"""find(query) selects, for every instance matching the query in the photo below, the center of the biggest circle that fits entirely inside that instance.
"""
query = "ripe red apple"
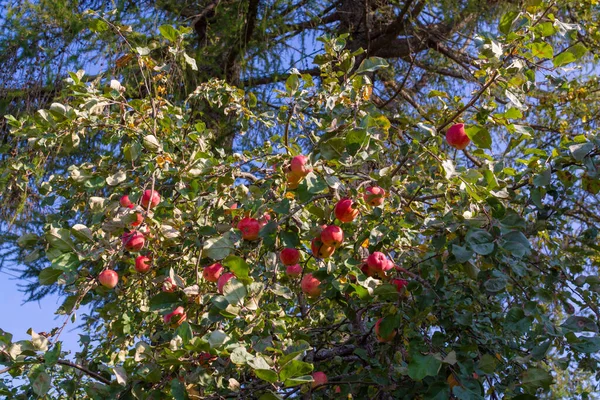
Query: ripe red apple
(249, 228)
(168, 285)
(133, 241)
(310, 285)
(151, 198)
(124, 201)
(223, 279)
(378, 262)
(139, 216)
(212, 272)
(293, 271)
(332, 236)
(381, 339)
(175, 318)
(299, 166)
(289, 256)
(374, 196)
(108, 278)
(457, 137)
(142, 264)
(320, 250)
(319, 378)
(343, 210)
(399, 283)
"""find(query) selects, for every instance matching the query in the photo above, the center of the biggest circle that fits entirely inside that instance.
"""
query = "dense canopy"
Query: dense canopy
(303, 199)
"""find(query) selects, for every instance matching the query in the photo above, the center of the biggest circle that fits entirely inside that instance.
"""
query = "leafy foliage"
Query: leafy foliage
(496, 242)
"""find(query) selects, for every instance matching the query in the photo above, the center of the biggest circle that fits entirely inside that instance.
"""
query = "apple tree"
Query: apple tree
(357, 253)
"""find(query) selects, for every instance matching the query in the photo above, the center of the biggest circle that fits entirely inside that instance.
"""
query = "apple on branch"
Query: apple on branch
(289, 256)
(150, 199)
(212, 272)
(457, 137)
(310, 285)
(374, 196)
(142, 264)
(250, 228)
(344, 211)
(108, 278)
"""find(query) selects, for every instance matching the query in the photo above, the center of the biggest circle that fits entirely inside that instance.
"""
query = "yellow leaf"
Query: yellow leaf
(289, 195)
(365, 244)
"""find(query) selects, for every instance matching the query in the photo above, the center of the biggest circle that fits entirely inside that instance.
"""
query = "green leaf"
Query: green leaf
(355, 140)
(66, 262)
(480, 241)
(495, 285)
(421, 366)
(52, 355)
(300, 380)
(480, 136)
(239, 268)
(506, 21)
(372, 64)
(543, 178)
(218, 248)
(217, 338)
(49, 276)
(583, 344)
(27, 240)
(41, 383)
(168, 32)
(235, 292)
(516, 244)
(535, 378)
(178, 390)
(580, 150)
(541, 50)
(571, 55)
(488, 363)
(266, 375)
(164, 301)
(461, 254)
(295, 368)
(580, 324)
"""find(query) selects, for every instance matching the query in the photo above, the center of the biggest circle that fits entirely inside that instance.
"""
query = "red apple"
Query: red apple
(299, 166)
(212, 272)
(381, 339)
(175, 318)
(293, 271)
(343, 210)
(150, 198)
(399, 283)
(332, 236)
(108, 278)
(223, 279)
(457, 137)
(168, 285)
(378, 262)
(133, 241)
(124, 201)
(249, 228)
(319, 378)
(320, 250)
(289, 256)
(374, 196)
(142, 264)
(139, 216)
(310, 285)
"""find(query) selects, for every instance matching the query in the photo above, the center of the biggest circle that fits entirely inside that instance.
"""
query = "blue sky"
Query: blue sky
(18, 317)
